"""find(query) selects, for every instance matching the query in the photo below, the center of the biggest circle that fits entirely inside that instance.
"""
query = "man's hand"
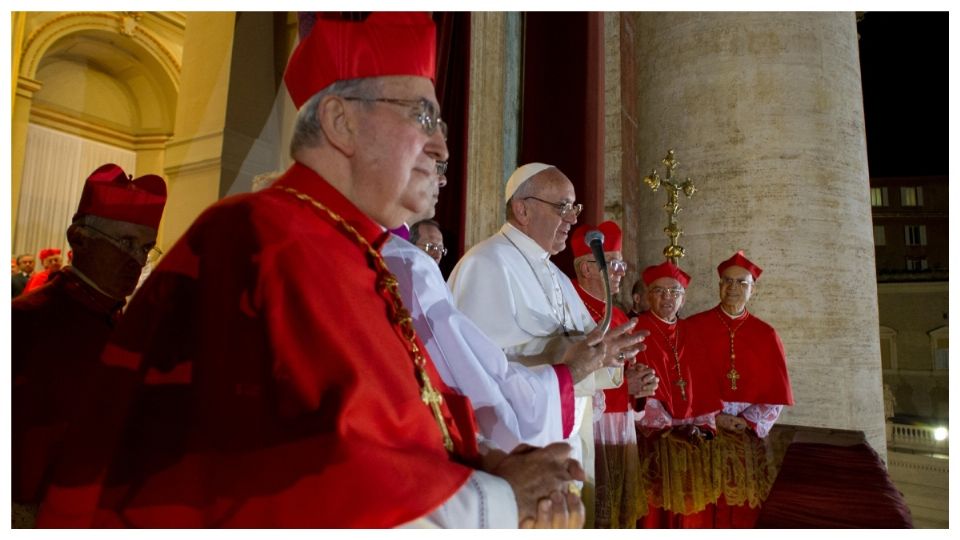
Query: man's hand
(536, 474)
(622, 345)
(731, 423)
(559, 511)
(585, 356)
(642, 380)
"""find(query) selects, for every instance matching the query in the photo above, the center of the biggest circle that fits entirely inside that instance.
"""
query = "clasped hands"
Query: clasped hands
(615, 349)
(540, 479)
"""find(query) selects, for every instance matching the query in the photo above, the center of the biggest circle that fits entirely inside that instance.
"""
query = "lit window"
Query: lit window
(879, 235)
(916, 264)
(878, 196)
(940, 347)
(915, 235)
(911, 196)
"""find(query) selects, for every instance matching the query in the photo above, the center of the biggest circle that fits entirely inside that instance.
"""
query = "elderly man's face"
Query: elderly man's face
(52, 263)
(112, 253)
(736, 286)
(25, 264)
(665, 296)
(546, 226)
(616, 274)
(395, 166)
(431, 241)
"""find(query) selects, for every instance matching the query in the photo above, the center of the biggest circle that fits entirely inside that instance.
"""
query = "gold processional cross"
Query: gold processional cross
(673, 251)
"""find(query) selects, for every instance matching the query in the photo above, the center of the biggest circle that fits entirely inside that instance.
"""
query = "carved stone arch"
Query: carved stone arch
(121, 23)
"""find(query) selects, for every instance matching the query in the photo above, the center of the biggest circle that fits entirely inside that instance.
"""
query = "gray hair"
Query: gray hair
(415, 229)
(307, 132)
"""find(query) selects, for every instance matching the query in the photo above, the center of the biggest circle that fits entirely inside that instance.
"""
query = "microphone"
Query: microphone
(594, 239)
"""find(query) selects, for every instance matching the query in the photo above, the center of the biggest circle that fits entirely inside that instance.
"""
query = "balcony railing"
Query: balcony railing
(910, 437)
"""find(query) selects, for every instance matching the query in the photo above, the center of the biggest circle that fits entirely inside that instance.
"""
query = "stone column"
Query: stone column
(20, 122)
(765, 113)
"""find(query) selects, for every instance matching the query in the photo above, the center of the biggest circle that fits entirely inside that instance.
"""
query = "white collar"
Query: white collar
(528, 246)
(733, 317)
(668, 323)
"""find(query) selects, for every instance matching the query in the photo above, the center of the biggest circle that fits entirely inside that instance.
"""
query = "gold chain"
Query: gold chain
(733, 374)
(388, 282)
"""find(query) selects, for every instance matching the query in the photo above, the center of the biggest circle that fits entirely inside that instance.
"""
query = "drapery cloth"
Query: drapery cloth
(827, 486)
(513, 403)
(55, 165)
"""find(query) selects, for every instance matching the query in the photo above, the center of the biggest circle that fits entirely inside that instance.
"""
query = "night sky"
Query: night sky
(904, 63)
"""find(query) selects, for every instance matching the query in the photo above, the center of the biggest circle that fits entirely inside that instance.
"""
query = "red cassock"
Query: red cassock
(58, 332)
(615, 399)
(760, 363)
(37, 280)
(701, 396)
(257, 381)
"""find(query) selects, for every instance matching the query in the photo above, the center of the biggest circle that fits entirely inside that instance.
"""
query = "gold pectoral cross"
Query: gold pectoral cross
(683, 388)
(433, 399)
(733, 376)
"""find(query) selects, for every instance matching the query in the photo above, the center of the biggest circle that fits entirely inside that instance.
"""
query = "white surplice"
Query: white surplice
(522, 301)
(513, 403)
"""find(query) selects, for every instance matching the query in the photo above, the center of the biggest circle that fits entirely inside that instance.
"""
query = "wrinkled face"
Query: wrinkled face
(546, 226)
(595, 278)
(431, 241)
(25, 264)
(395, 165)
(52, 263)
(736, 286)
(665, 296)
(112, 253)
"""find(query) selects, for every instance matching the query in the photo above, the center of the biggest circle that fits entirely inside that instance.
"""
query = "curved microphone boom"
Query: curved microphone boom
(594, 239)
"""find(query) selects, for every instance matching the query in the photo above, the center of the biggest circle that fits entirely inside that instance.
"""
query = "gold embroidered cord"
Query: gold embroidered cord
(401, 317)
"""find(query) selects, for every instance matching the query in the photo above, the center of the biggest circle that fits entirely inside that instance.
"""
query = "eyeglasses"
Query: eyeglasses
(434, 249)
(616, 265)
(151, 253)
(424, 112)
(565, 208)
(673, 292)
(442, 167)
(739, 283)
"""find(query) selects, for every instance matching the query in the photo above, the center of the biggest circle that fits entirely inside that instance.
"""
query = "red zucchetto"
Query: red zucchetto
(48, 252)
(665, 269)
(739, 260)
(612, 238)
(384, 44)
(110, 193)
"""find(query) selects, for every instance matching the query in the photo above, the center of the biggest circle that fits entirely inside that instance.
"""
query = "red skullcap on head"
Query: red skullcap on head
(665, 269)
(49, 252)
(739, 260)
(612, 238)
(393, 43)
(110, 193)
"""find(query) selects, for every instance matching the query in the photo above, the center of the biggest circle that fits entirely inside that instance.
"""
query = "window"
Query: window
(916, 264)
(878, 196)
(888, 348)
(915, 235)
(940, 347)
(911, 196)
(879, 235)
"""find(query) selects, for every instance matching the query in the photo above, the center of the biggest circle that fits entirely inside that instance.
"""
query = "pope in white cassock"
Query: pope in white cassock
(522, 301)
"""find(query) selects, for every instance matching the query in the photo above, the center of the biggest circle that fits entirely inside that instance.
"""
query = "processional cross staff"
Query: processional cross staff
(673, 251)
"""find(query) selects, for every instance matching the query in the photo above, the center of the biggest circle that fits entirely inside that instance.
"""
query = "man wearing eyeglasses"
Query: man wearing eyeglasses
(509, 287)
(51, 261)
(426, 235)
(683, 408)
(113, 230)
(615, 435)
(267, 374)
(745, 358)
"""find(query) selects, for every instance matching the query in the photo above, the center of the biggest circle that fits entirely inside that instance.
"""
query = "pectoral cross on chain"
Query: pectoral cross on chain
(683, 388)
(433, 399)
(733, 375)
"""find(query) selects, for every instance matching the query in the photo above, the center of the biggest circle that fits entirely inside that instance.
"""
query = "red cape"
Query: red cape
(702, 397)
(257, 381)
(760, 361)
(615, 399)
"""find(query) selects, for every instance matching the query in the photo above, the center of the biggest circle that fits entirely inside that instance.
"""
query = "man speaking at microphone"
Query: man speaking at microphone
(522, 301)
